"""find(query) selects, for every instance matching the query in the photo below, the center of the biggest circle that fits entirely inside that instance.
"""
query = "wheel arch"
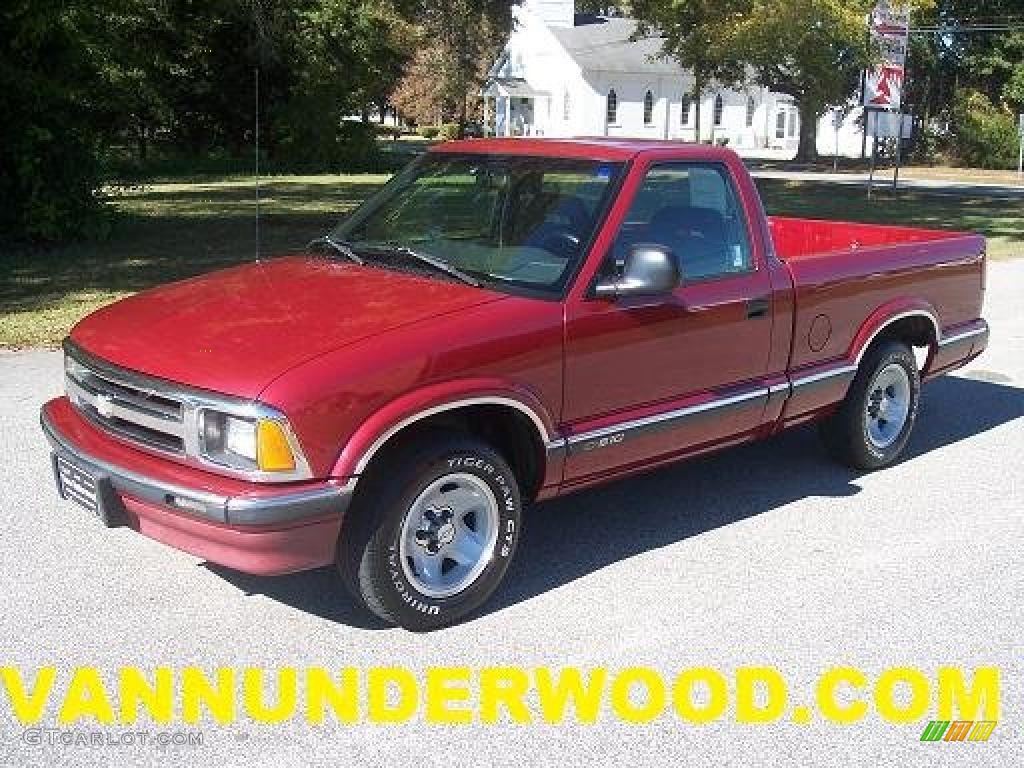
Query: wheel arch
(514, 423)
(913, 322)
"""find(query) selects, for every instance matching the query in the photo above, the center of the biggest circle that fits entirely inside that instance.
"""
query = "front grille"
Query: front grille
(127, 409)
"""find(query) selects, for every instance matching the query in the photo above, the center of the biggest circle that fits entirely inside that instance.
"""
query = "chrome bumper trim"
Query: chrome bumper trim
(330, 498)
(581, 442)
(842, 370)
(958, 337)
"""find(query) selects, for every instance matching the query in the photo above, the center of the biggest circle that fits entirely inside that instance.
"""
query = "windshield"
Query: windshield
(507, 221)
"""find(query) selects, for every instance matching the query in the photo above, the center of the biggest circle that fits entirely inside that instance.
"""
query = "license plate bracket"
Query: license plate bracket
(93, 493)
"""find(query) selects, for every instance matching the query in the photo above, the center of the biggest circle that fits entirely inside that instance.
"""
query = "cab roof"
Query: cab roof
(598, 148)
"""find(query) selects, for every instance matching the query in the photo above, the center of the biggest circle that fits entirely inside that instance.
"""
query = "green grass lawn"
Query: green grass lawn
(1001, 221)
(166, 232)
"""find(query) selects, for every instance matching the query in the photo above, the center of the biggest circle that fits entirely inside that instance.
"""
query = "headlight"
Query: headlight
(245, 443)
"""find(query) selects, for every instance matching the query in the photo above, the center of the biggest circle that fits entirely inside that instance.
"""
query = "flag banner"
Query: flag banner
(890, 29)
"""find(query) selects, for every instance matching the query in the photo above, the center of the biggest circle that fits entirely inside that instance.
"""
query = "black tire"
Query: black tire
(846, 432)
(370, 543)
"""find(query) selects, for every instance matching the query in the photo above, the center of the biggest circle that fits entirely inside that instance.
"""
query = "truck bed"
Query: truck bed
(810, 238)
(845, 274)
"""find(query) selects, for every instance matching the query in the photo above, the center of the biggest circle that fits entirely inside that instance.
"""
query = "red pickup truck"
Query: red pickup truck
(504, 322)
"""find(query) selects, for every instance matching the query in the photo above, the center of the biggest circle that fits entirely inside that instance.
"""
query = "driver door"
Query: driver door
(652, 379)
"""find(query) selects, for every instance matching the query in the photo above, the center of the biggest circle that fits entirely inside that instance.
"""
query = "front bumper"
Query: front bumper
(255, 528)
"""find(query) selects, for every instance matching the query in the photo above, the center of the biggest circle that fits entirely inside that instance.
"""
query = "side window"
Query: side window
(691, 209)
(612, 108)
(719, 110)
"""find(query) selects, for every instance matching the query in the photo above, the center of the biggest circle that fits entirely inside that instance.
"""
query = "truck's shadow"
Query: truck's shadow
(566, 539)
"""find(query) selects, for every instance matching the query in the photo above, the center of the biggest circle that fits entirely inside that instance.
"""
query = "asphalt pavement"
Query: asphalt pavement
(763, 555)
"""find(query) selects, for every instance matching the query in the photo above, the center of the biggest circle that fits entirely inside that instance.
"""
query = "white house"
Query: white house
(566, 74)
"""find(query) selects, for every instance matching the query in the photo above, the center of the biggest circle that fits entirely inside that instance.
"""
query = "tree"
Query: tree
(50, 134)
(601, 8)
(352, 54)
(699, 35)
(467, 34)
(814, 50)
(989, 62)
(996, 69)
(967, 85)
(363, 45)
(986, 135)
(186, 69)
(420, 94)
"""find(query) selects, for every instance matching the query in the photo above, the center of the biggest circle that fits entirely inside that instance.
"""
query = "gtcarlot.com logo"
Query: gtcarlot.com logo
(83, 737)
(958, 730)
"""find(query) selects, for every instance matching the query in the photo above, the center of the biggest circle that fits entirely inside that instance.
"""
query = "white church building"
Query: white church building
(565, 74)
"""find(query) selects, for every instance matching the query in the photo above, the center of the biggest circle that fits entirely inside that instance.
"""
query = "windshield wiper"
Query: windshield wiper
(340, 246)
(433, 261)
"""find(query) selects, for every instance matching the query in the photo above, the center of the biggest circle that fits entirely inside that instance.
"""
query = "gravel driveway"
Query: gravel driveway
(763, 555)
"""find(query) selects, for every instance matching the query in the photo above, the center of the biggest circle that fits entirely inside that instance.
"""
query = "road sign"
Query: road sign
(889, 124)
(890, 29)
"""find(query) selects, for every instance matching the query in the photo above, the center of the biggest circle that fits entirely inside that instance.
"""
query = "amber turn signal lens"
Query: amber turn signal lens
(272, 448)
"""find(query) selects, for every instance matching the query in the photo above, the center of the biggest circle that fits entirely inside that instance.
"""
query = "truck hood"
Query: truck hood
(236, 330)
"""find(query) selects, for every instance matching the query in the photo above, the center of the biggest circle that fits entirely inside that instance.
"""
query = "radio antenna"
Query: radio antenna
(256, 47)
(259, 250)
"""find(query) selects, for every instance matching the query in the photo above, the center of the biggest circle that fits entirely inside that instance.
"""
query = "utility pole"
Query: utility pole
(899, 115)
(899, 146)
(1020, 149)
(874, 150)
(837, 121)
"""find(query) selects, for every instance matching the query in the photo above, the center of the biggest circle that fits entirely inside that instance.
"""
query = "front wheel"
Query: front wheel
(872, 425)
(432, 534)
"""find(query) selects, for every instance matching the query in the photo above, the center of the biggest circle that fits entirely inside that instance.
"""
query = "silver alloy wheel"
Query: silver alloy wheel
(449, 535)
(888, 405)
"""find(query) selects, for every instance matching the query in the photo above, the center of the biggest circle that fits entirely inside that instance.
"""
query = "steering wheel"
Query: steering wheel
(561, 241)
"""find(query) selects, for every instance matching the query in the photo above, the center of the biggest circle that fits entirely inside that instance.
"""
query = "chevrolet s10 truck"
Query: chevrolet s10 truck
(504, 322)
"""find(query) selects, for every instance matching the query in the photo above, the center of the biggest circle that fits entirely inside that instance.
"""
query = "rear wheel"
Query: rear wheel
(872, 425)
(431, 535)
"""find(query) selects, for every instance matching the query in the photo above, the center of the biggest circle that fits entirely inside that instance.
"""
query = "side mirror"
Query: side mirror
(650, 270)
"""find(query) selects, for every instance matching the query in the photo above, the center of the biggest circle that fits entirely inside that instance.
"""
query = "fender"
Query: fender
(823, 385)
(437, 398)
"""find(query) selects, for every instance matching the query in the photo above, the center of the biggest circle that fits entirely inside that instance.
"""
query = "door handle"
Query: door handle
(758, 307)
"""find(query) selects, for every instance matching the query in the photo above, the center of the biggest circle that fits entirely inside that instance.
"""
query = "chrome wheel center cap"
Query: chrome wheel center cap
(446, 534)
(437, 529)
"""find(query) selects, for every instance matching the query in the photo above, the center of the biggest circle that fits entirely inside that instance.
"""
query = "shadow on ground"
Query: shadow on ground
(569, 538)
